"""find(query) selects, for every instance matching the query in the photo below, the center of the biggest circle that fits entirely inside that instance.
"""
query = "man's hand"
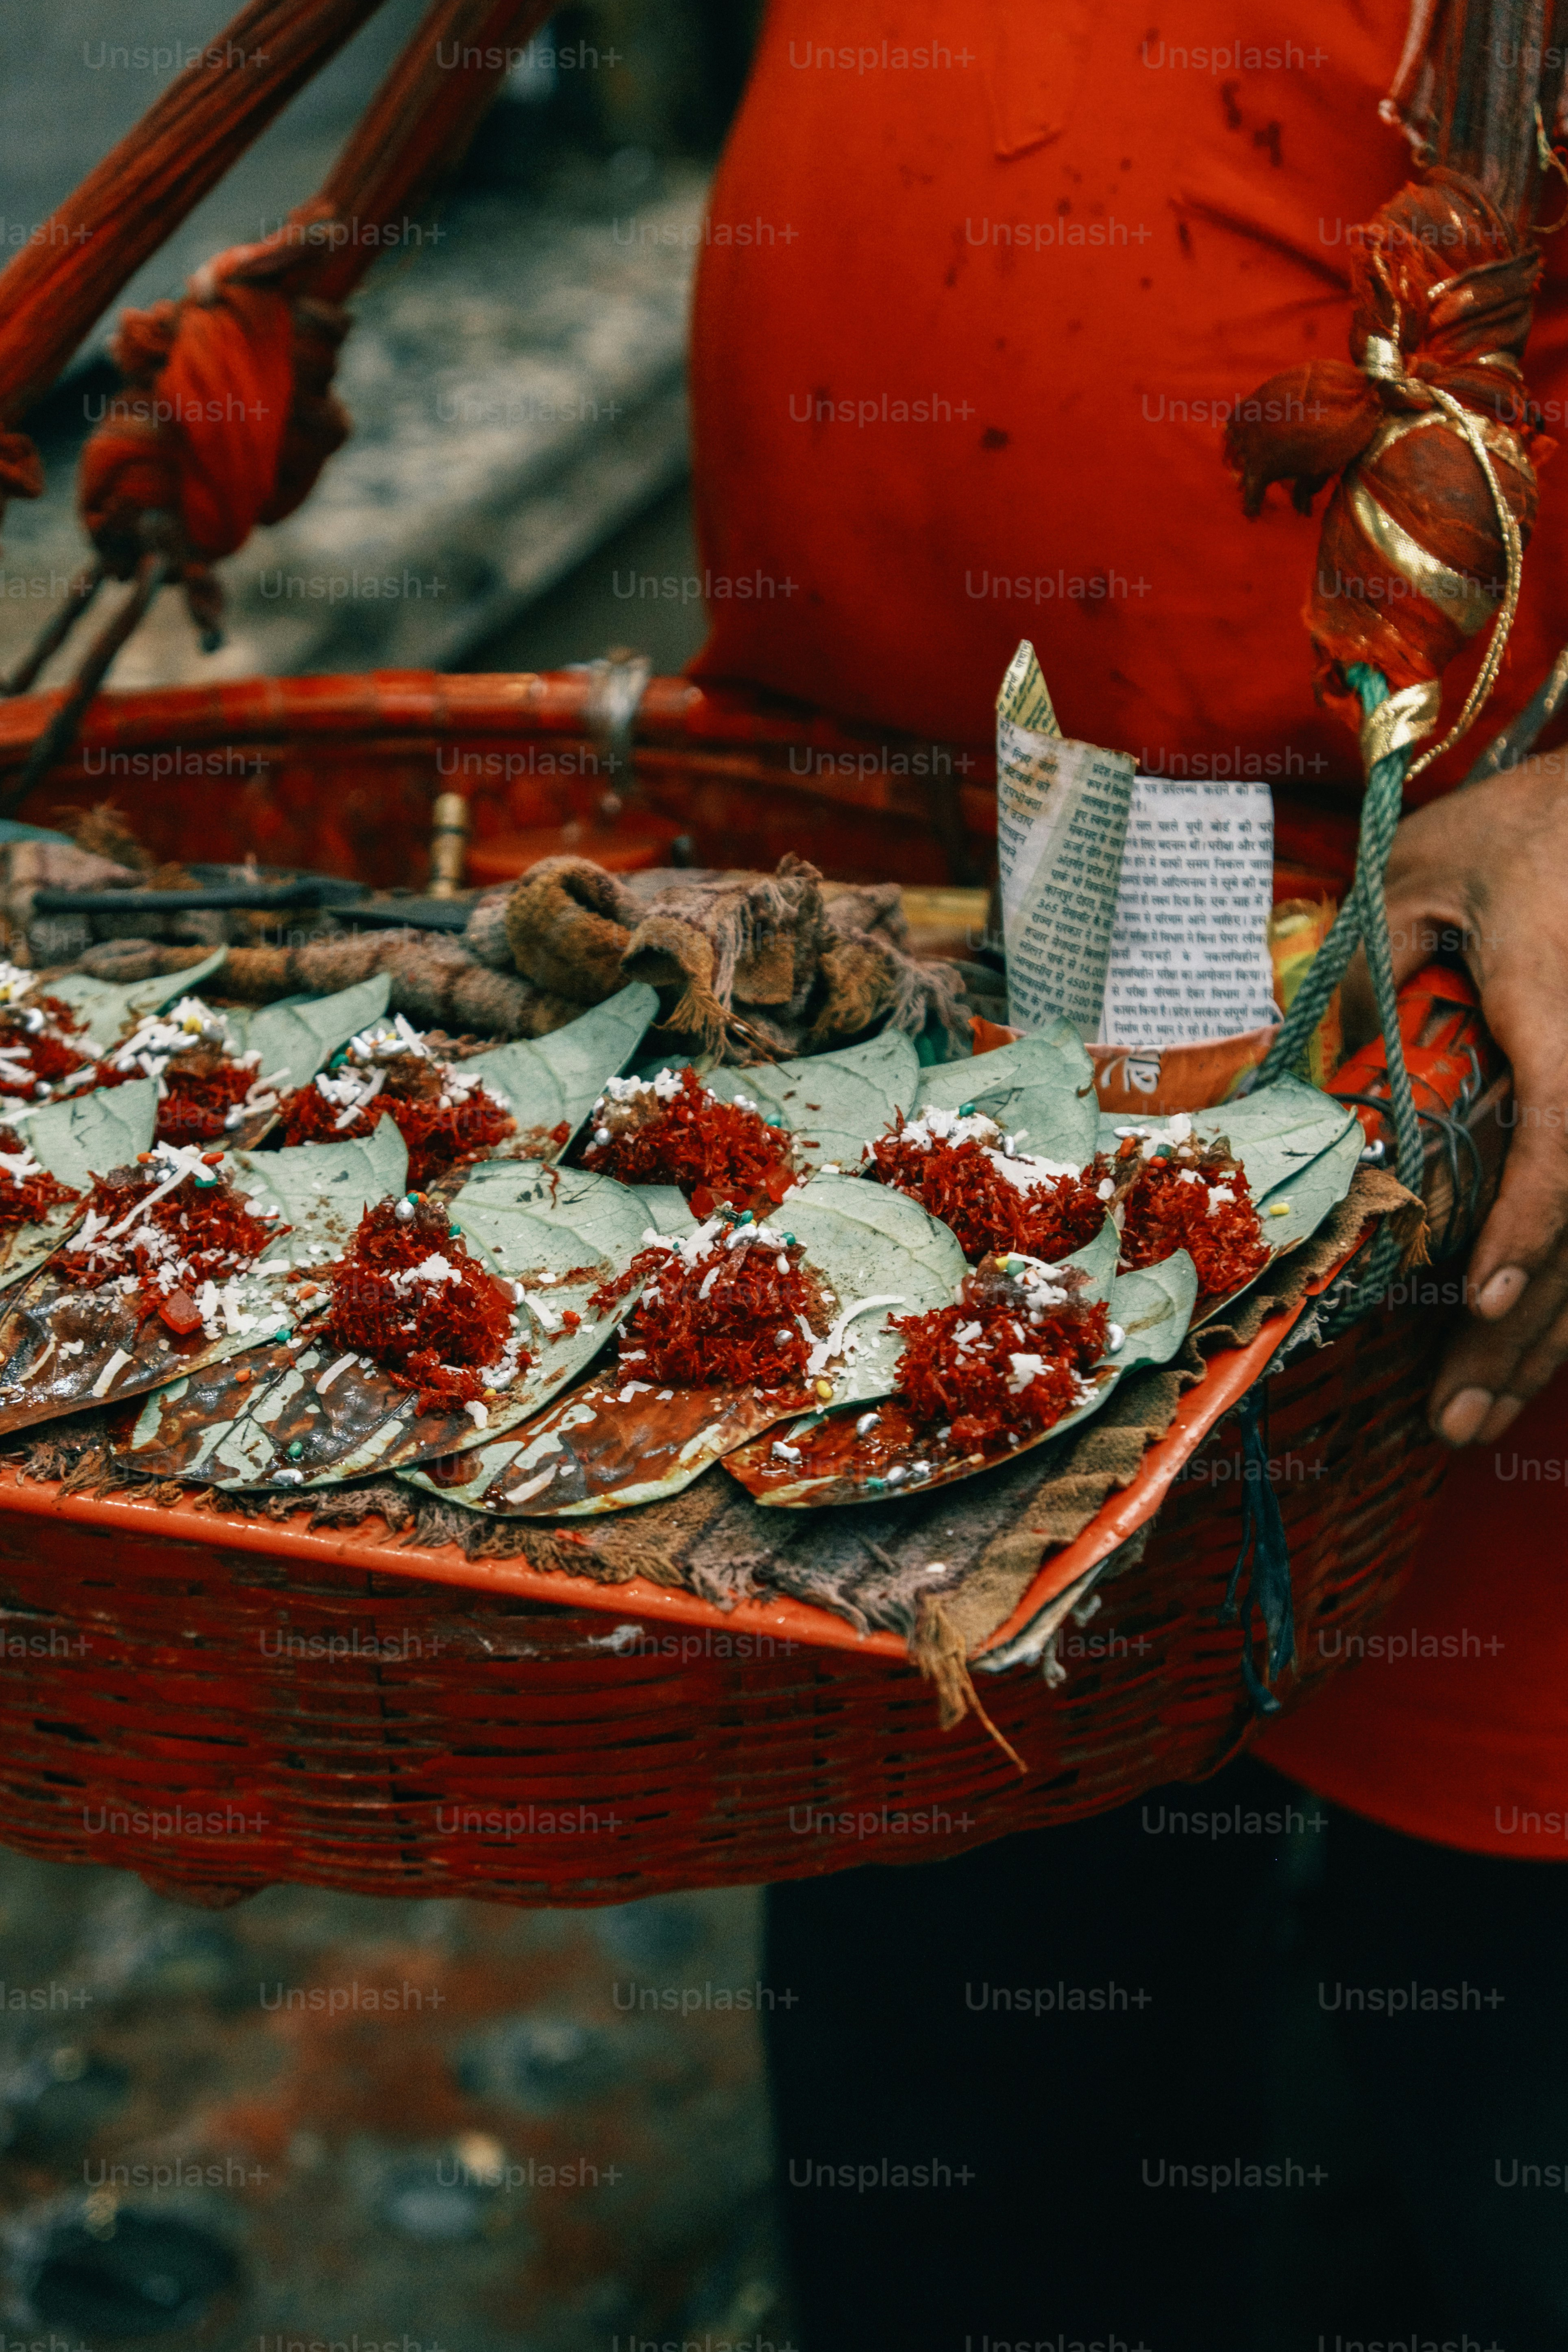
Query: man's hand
(1488, 869)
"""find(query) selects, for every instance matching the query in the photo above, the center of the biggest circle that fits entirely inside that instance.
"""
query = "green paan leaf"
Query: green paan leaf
(112, 1008)
(1292, 1213)
(1298, 1148)
(669, 1211)
(300, 1037)
(1040, 1087)
(554, 1081)
(62, 1346)
(77, 1139)
(296, 1038)
(615, 1443)
(839, 1464)
(834, 1102)
(648, 1065)
(879, 1253)
(1273, 1134)
(555, 1235)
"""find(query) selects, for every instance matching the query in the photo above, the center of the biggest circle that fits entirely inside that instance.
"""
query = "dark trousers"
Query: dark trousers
(1224, 2070)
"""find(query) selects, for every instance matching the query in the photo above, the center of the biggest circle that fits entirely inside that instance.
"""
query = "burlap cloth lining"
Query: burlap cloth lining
(869, 1563)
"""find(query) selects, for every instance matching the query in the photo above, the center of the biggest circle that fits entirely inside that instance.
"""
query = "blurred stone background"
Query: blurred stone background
(515, 374)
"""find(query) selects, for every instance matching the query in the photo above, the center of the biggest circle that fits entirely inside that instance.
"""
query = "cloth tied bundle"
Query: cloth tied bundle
(228, 416)
(780, 963)
(1412, 559)
(748, 966)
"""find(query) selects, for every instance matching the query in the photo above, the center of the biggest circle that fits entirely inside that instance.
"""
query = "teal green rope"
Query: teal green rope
(1363, 921)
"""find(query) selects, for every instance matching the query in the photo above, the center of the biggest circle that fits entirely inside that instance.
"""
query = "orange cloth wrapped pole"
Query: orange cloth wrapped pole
(229, 415)
(1411, 561)
(63, 280)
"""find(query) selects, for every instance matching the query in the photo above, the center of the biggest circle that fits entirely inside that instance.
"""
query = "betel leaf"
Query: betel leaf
(320, 1192)
(109, 1009)
(1292, 1213)
(1039, 1089)
(608, 1448)
(669, 1211)
(294, 1039)
(1298, 1148)
(834, 1102)
(62, 1346)
(554, 1081)
(1298, 1204)
(618, 1441)
(322, 1189)
(839, 1464)
(871, 1243)
(1273, 1133)
(556, 1234)
(648, 1065)
(298, 1037)
(76, 1139)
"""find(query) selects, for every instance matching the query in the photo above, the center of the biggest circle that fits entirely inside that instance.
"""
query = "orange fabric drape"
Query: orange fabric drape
(981, 289)
(229, 415)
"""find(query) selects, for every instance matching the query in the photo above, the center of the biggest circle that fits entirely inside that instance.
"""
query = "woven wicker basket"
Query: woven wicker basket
(164, 1708)
(218, 1706)
(217, 1703)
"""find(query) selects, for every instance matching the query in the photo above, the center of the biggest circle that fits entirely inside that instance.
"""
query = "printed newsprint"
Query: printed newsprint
(1189, 955)
(1137, 907)
(1061, 816)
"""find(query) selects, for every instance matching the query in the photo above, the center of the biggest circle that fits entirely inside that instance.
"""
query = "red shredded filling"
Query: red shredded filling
(745, 1332)
(438, 1137)
(26, 1201)
(198, 1092)
(963, 1186)
(434, 1337)
(712, 1150)
(47, 1052)
(206, 1232)
(1163, 1214)
(964, 1389)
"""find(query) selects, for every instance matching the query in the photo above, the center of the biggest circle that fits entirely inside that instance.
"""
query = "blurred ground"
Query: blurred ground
(329, 2116)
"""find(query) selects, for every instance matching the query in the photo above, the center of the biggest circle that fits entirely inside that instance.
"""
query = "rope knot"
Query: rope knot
(228, 417)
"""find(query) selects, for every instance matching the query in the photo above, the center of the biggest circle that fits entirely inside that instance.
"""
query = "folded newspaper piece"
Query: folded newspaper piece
(1136, 906)
(1189, 954)
(1061, 817)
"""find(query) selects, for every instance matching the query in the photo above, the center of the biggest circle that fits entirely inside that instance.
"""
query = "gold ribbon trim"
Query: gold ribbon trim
(1403, 719)
(1499, 439)
(1464, 602)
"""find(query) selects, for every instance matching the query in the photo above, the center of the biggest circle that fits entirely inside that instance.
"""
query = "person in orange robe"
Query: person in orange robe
(1006, 272)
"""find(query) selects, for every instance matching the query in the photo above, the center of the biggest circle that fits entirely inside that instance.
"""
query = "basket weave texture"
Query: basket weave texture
(217, 1719)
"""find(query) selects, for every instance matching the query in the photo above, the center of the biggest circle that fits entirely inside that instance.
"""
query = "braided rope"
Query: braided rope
(1363, 921)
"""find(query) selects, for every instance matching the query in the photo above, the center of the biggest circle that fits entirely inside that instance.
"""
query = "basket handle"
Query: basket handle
(1391, 727)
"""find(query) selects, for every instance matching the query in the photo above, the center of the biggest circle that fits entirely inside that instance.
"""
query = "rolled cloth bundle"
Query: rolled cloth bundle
(1412, 560)
(778, 962)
